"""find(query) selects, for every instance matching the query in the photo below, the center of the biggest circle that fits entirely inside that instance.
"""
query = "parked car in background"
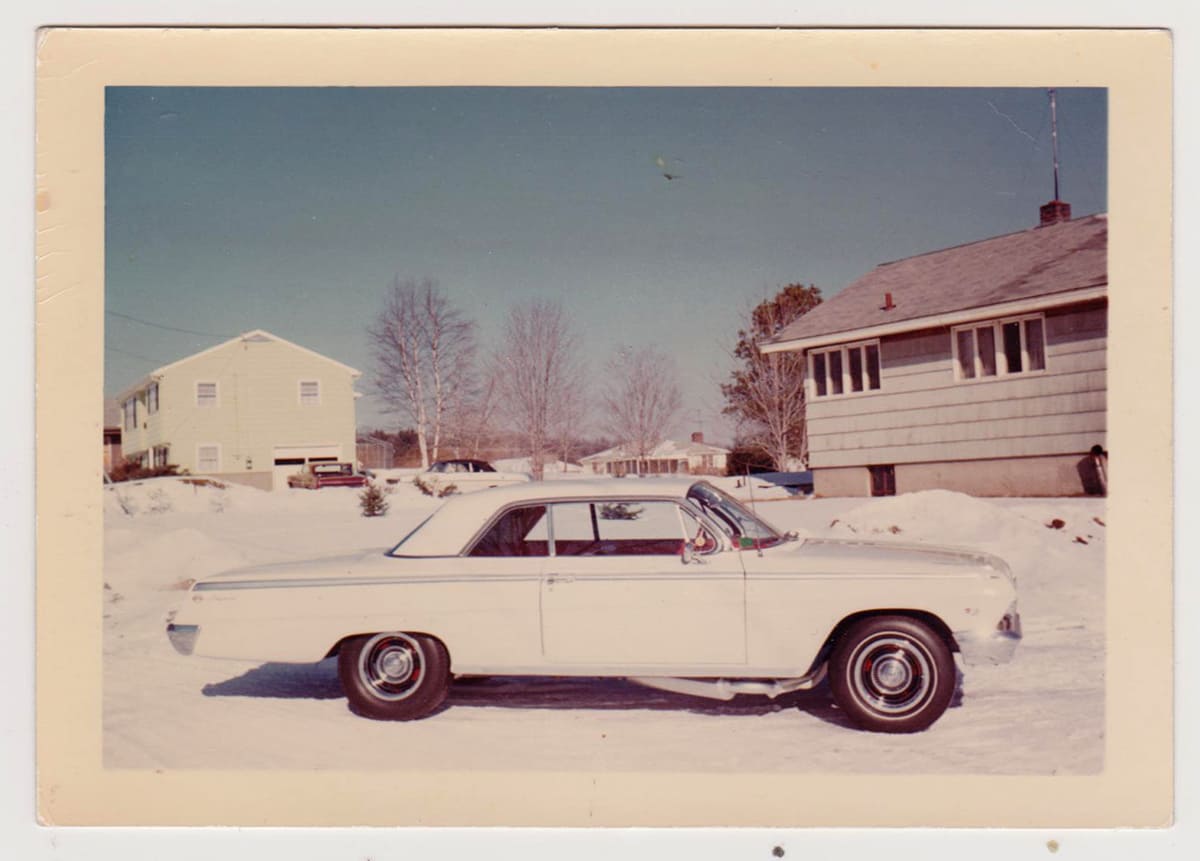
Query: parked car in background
(671, 584)
(317, 475)
(468, 475)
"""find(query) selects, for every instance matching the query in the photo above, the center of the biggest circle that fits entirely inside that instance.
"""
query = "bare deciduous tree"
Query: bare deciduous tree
(641, 399)
(766, 393)
(572, 414)
(773, 389)
(424, 350)
(537, 372)
(470, 416)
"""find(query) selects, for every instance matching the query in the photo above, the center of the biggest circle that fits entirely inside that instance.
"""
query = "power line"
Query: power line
(169, 328)
(134, 355)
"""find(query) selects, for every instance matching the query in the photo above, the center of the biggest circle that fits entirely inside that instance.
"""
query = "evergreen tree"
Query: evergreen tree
(373, 501)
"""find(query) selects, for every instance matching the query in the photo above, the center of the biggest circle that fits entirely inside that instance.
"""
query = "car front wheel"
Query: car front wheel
(892, 674)
(394, 676)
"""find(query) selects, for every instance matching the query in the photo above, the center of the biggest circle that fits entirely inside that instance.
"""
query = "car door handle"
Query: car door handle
(551, 579)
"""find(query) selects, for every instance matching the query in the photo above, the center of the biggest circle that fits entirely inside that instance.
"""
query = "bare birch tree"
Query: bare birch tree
(536, 372)
(424, 351)
(641, 399)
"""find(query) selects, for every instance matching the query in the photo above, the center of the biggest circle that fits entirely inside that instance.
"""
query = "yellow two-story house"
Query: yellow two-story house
(252, 410)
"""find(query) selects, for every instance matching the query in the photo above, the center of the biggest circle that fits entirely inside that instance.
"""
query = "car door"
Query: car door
(617, 593)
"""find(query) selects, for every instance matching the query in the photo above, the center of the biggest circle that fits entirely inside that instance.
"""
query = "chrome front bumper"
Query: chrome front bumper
(183, 637)
(991, 647)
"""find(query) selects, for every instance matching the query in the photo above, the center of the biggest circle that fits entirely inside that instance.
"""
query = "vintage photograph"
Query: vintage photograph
(465, 435)
(548, 428)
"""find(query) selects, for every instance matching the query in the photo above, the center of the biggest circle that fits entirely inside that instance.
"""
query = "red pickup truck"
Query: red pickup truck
(318, 475)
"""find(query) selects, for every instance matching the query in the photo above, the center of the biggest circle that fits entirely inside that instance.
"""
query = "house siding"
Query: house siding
(258, 408)
(922, 415)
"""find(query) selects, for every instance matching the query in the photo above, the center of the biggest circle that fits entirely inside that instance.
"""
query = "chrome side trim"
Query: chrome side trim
(183, 637)
(297, 583)
(301, 582)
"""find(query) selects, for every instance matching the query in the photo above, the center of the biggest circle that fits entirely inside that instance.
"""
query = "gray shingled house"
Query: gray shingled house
(978, 368)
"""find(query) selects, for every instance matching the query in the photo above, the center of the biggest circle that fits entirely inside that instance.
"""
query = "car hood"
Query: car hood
(887, 557)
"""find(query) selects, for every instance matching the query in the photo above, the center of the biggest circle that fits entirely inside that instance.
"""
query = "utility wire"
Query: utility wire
(134, 355)
(169, 328)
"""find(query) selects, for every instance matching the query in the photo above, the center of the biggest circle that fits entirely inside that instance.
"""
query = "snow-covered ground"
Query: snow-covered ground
(1041, 714)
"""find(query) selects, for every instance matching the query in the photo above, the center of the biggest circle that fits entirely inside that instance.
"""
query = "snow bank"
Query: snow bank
(746, 488)
(198, 495)
(185, 494)
(552, 469)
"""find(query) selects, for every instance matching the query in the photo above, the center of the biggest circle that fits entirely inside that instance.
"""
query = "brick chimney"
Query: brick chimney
(698, 436)
(1054, 212)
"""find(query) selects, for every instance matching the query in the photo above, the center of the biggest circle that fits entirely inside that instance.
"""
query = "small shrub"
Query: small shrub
(432, 489)
(131, 470)
(372, 501)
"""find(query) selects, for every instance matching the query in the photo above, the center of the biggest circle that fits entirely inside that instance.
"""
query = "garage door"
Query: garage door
(290, 459)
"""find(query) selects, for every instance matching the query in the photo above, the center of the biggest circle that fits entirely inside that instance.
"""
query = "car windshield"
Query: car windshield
(734, 517)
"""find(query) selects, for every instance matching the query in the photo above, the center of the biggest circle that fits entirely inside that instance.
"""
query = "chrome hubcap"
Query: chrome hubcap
(391, 666)
(396, 664)
(892, 675)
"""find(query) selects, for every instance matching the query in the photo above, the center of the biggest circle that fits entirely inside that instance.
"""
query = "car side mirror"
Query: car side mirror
(689, 552)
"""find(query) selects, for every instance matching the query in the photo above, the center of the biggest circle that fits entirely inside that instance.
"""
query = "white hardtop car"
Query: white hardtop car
(467, 475)
(673, 584)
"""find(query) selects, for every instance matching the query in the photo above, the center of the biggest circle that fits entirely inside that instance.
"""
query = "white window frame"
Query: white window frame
(199, 458)
(152, 402)
(216, 399)
(300, 393)
(163, 450)
(1001, 358)
(847, 381)
(129, 413)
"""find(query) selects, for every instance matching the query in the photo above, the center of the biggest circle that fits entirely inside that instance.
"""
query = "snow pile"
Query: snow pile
(175, 494)
(747, 488)
(931, 515)
(550, 469)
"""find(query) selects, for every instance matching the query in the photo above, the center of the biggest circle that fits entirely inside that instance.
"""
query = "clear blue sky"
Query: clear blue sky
(291, 210)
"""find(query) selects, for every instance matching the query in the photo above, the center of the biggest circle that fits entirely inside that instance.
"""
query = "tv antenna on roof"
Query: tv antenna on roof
(1054, 135)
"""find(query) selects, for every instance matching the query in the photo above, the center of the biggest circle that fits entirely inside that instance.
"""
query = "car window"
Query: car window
(618, 528)
(518, 532)
(738, 521)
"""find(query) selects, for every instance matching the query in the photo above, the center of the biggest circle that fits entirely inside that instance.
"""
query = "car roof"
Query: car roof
(450, 527)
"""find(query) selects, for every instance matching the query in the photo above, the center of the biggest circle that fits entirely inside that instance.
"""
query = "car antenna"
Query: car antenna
(750, 485)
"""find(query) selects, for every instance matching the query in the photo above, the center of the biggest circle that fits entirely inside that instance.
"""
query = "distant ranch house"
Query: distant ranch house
(979, 368)
(252, 410)
(669, 457)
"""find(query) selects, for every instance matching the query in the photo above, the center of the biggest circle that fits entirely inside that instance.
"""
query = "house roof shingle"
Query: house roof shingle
(1037, 262)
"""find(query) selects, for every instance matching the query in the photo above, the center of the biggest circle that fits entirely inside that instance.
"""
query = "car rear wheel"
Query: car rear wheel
(892, 674)
(394, 676)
